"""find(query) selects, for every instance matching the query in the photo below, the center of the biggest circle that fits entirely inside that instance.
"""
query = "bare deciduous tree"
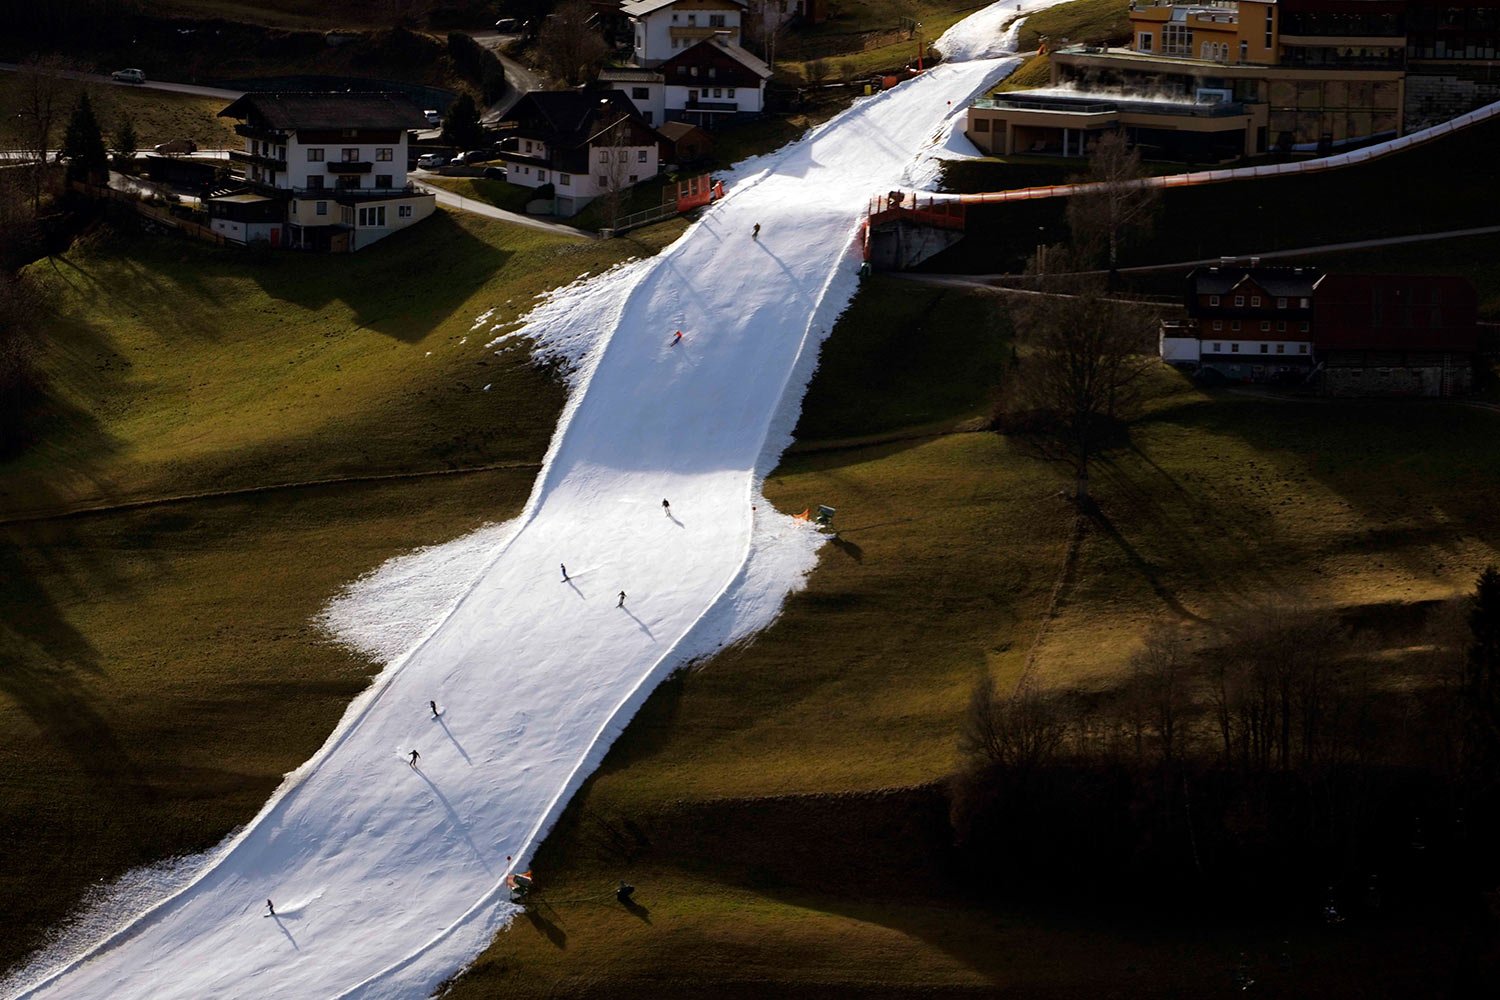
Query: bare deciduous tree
(817, 71)
(570, 46)
(1021, 732)
(40, 101)
(1117, 207)
(1159, 695)
(1087, 355)
(616, 172)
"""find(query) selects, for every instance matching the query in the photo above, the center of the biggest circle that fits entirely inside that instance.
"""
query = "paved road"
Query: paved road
(522, 79)
(173, 88)
(463, 204)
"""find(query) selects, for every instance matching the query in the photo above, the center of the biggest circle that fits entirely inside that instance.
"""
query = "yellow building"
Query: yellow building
(1308, 91)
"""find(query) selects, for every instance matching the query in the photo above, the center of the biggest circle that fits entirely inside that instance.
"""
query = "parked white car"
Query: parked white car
(431, 161)
(128, 76)
(433, 118)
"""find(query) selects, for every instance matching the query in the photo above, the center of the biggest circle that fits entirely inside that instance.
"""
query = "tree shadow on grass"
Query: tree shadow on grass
(402, 287)
(43, 660)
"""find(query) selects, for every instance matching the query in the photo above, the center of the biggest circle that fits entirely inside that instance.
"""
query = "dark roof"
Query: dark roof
(675, 131)
(1287, 282)
(569, 118)
(1395, 312)
(282, 110)
(735, 66)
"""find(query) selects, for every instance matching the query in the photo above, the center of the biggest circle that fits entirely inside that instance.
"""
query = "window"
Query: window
(541, 176)
(603, 156)
(281, 153)
(1234, 348)
(730, 92)
(1265, 348)
(623, 155)
(294, 206)
(1176, 39)
(713, 71)
(1218, 324)
(315, 181)
(1304, 303)
(1144, 43)
(363, 216)
(314, 154)
(378, 215)
(1306, 326)
(567, 180)
(674, 18)
(716, 20)
(981, 124)
(526, 145)
(383, 180)
(322, 208)
(1218, 347)
(718, 91)
(403, 211)
(634, 178)
(1301, 348)
(1265, 326)
(1281, 326)
(1234, 325)
(1244, 51)
(640, 156)
(384, 154)
(1255, 301)
(1281, 303)
(351, 155)
(640, 93)
(682, 71)
(1280, 348)
(1239, 300)
(1213, 300)
(692, 71)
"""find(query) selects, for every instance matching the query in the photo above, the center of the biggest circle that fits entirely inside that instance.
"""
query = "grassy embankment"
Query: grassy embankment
(161, 672)
(1085, 22)
(157, 116)
(764, 804)
(1266, 214)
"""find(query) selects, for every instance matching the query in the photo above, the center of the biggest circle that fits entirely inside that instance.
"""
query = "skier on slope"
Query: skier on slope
(433, 705)
(414, 757)
(666, 508)
(755, 233)
(622, 600)
(676, 337)
(565, 571)
(270, 910)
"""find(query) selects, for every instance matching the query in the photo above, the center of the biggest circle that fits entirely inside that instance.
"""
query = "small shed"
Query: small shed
(684, 143)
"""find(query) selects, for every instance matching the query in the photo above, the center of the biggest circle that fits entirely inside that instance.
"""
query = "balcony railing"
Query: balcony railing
(240, 156)
(350, 167)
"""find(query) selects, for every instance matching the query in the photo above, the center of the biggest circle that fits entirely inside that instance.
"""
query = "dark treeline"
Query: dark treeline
(1290, 764)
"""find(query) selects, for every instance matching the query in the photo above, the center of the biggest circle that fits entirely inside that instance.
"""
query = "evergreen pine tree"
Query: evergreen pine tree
(125, 142)
(461, 125)
(83, 143)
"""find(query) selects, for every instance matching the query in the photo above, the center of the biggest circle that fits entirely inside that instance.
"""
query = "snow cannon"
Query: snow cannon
(825, 515)
(520, 886)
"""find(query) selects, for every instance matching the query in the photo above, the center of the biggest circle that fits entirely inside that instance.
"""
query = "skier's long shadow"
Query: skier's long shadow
(640, 623)
(570, 583)
(456, 820)
(282, 927)
(449, 733)
(673, 518)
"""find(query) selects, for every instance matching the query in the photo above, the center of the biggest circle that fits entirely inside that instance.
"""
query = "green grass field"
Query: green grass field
(775, 807)
(501, 194)
(157, 116)
(180, 369)
(162, 671)
(1093, 22)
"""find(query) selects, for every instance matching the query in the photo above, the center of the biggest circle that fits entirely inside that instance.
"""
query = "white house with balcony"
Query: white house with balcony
(585, 144)
(713, 82)
(324, 171)
(663, 28)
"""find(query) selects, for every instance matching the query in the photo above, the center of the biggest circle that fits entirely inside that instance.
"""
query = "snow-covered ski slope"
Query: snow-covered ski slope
(388, 878)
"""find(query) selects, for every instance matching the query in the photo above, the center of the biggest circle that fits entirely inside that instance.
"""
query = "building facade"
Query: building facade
(323, 171)
(1346, 334)
(664, 28)
(584, 144)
